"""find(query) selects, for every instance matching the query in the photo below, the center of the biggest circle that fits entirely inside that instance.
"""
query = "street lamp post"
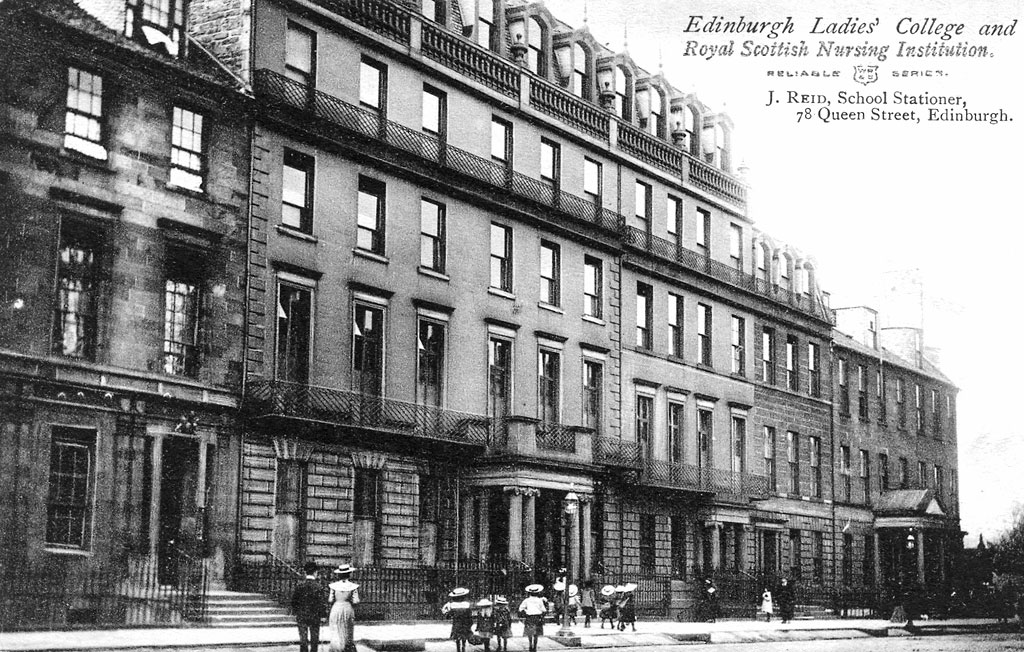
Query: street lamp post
(569, 506)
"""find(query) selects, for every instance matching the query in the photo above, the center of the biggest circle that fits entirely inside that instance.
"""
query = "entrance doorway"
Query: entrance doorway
(179, 515)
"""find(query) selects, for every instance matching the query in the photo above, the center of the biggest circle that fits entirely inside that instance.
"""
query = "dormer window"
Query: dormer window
(623, 94)
(485, 24)
(722, 147)
(535, 54)
(580, 72)
(654, 120)
(157, 23)
(690, 122)
(434, 10)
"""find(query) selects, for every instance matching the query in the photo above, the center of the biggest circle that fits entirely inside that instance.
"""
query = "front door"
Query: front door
(179, 524)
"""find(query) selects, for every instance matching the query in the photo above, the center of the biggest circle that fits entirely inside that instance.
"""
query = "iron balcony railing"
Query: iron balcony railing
(613, 451)
(339, 120)
(722, 482)
(556, 437)
(680, 255)
(266, 398)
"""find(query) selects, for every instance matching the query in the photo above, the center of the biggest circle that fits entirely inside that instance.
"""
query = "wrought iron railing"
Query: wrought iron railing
(340, 120)
(650, 149)
(270, 576)
(613, 451)
(60, 592)
(572, 110)
(556, 437)
(676, 253)
(347, 408)
(721, 482)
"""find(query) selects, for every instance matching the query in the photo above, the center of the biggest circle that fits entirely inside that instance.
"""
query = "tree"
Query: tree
(1009, 547)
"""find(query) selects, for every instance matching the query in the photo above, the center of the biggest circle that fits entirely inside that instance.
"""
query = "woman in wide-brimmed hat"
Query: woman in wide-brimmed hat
(609, 609)
(460, 610)
(342, 621)
(533, 610)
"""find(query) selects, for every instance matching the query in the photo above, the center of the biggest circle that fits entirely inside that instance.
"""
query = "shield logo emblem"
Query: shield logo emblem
(865, 74)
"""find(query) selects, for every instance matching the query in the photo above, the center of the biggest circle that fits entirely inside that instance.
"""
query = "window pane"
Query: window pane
(591, 177)
(369, 84)
(431, 112)
(299, 49)
(499, 136)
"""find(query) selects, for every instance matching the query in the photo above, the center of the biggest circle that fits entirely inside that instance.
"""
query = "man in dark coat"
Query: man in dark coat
(785, 599)
(308, 603)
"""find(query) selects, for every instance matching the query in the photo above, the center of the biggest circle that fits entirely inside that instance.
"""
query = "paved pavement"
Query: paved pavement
(433, 636)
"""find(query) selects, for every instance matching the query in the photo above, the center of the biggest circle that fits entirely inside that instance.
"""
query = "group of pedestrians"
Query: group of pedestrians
(783, 600)
(478, 622)
(310, 601)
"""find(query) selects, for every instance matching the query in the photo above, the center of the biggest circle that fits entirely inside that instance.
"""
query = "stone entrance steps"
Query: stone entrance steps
(231, 609)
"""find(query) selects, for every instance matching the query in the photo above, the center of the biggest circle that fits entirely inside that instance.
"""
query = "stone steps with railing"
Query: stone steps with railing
(231, 609)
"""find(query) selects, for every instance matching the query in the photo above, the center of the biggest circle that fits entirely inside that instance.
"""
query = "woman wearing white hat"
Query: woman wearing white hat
(342, 621)
(609, 609)
(533, 609)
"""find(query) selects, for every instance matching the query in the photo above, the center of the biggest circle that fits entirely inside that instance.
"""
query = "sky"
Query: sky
(880, 204)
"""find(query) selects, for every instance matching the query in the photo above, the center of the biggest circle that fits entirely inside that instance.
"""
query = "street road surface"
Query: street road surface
(958, 643)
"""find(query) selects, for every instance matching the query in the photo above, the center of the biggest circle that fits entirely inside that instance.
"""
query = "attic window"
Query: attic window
(157, 23)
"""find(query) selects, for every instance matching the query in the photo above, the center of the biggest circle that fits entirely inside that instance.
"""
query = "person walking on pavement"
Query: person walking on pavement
(502, 619)
(767, 608)
(709, 601)
(627, 607)
(343, 598)
(608, 610)
(786, 600)
(533, 610)
(484, 623)
(461, 613)
(588, 602)
(308, 603)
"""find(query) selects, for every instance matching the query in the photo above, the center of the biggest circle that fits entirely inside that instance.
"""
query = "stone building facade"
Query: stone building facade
(434, 286)
(124, 175)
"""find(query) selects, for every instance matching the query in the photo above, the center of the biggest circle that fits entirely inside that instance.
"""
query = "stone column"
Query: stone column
(574, 544)
(515, 523)
(698, 546)
(920, 556)
(716, 545)
(942, 559)
(878, 560)
(741, 547)
(483, 512)
(468, 519)
(154, 500)
(530, 526)
(586, 524)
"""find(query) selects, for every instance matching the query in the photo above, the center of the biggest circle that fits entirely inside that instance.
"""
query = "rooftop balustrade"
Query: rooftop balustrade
(398, 23)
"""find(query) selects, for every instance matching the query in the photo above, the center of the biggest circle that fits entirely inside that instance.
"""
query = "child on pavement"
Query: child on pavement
(459, 610)
(502, 620)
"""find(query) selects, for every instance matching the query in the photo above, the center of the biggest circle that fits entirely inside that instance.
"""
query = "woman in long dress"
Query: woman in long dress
(344, 594)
